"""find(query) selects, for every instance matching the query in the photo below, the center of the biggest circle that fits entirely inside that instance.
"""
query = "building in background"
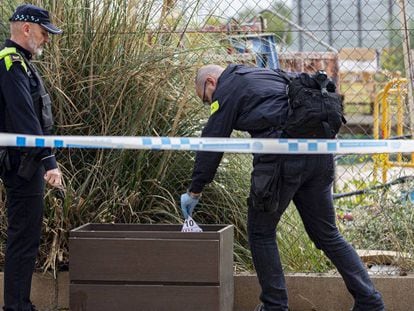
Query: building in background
(347, 23)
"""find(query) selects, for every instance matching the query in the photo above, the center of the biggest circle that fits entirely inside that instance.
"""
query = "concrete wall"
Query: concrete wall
(307, 292)
(323, 292)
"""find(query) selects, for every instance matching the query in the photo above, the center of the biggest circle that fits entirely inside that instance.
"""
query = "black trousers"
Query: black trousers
(307, 181)
(24, 213)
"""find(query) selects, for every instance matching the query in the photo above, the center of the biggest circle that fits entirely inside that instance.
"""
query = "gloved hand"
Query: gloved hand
(188, 203)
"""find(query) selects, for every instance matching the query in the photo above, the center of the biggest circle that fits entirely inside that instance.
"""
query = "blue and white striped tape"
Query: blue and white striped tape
(233, 145)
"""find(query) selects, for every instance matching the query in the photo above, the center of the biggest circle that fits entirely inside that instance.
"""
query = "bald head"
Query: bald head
(208, 70)
(206, 81)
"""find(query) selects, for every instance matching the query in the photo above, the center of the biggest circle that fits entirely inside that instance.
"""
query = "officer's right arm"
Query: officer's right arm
(220, 124)
(20, 114)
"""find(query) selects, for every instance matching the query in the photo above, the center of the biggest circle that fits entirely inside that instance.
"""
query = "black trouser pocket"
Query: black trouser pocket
(265, 188)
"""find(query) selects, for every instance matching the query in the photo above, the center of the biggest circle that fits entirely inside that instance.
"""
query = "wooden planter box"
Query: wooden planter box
(150, 268)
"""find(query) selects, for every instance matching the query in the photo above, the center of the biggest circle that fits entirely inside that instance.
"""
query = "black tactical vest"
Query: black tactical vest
(41, 99)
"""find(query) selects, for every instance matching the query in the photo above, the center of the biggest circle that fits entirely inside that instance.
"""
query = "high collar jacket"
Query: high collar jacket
(20, 110)
(248, 99)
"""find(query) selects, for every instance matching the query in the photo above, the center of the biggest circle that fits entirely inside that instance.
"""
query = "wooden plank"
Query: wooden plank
(139, 227)
(148, 235)
(85, 297)
(142, 230)
(226, 269)
(144, 260)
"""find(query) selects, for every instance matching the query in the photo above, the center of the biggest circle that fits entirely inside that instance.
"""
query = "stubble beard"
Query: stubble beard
(34, 48)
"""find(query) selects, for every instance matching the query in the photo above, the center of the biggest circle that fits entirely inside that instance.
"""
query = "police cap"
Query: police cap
(33, 14)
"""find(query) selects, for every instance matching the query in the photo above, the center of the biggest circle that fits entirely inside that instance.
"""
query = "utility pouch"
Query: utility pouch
(28, 166)
(4, 162)
(265, 185)
(47, 117)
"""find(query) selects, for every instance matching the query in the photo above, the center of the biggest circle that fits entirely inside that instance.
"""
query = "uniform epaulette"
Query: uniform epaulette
(16, 58)
(11, 56)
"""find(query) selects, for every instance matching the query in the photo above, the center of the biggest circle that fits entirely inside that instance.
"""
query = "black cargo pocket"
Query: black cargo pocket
(47, 112)
(4, 162)
(264, 192)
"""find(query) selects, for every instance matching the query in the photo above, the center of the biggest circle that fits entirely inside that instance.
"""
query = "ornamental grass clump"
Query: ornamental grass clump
(120, 68)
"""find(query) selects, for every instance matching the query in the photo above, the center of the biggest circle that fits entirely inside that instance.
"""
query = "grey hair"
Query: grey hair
(15, 27)
(206, 71)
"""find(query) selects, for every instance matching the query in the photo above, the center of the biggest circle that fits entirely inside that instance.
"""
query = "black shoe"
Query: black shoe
(33, 308)
(260, 307)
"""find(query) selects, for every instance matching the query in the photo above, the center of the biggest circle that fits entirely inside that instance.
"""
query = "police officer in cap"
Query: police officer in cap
(25, 108)
(254, 100)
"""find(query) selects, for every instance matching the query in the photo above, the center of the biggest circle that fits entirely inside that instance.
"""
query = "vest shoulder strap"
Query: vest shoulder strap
(10, 56)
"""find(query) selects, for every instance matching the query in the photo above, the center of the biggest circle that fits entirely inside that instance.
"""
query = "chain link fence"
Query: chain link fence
(157, 45)
(361, 46)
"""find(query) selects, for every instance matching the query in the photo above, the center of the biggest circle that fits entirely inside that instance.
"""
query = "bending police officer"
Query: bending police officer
(25, 108)
(254, 100)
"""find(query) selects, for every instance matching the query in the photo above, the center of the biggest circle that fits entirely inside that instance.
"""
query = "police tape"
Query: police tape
(231, 145)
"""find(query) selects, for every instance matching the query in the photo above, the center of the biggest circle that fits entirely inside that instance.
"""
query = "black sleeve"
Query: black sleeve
(19, 109)
(220, 124)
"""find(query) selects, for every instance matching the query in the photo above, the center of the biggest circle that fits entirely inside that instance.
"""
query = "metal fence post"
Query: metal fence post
(407, 61)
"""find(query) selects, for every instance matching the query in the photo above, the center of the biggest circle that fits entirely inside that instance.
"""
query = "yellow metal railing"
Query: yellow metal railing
(383, 120)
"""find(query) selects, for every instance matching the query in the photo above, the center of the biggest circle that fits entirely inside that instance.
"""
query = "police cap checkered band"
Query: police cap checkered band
(33, 14)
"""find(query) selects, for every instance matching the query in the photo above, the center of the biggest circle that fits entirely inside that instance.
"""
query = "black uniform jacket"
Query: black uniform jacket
(17, 111)
(247, 99)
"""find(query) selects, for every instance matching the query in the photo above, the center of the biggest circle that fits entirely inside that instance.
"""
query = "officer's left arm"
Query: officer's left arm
(20, 111)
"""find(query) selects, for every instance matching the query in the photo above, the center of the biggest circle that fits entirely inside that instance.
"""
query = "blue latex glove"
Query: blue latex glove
(188, 203)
